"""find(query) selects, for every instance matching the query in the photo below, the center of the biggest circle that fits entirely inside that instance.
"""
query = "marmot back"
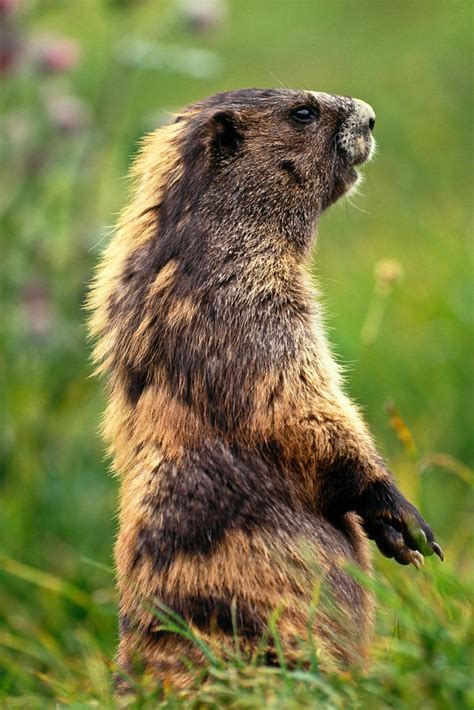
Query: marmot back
(247, 477)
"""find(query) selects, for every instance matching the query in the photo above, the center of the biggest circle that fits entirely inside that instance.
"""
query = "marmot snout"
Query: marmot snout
(355, 135)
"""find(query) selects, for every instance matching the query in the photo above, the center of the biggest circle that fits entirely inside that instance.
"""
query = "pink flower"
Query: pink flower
(8, 6)
(38, 308)
(203, 16)
(10, 50)
(67, 113)
(56, 54)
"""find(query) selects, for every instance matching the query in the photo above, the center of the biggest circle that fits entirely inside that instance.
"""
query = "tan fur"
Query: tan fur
(155, 169)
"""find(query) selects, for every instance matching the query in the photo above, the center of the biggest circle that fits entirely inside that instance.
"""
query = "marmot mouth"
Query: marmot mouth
(358, 150)
(345, 177)
(351, 151)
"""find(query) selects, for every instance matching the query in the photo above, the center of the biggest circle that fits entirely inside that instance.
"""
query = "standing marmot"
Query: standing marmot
(246, 472)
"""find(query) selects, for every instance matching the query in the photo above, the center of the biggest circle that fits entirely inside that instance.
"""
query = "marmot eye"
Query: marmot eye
(304, 114)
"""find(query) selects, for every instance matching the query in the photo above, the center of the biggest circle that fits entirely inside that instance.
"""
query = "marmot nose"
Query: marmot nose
(365, 113)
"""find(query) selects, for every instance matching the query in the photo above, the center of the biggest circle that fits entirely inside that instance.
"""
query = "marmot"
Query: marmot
(246, 472)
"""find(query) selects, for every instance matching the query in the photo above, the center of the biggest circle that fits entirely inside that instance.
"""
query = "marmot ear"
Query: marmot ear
(226, 133)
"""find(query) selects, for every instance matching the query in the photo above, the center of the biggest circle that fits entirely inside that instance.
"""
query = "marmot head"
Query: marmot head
(262, 153)
(220, 199)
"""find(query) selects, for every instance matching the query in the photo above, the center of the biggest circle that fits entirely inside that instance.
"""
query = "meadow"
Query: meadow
(80, 82)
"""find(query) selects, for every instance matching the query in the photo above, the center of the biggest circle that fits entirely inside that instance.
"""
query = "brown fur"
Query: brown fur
(243, 465)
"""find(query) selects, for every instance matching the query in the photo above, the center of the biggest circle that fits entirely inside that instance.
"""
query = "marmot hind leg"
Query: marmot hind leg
(299, 577)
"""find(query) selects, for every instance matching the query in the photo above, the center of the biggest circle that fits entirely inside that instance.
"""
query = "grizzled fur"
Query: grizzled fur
(247, 476)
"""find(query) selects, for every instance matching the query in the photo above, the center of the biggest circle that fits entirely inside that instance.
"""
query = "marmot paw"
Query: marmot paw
(391, 543)
(396, 526)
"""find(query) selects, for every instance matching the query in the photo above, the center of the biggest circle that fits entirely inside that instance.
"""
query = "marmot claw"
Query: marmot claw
(396, 526)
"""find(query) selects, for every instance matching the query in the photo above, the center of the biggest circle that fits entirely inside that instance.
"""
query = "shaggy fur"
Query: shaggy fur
(247, 475)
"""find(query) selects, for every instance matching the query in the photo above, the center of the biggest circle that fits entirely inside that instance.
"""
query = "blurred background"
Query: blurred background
(80, 83)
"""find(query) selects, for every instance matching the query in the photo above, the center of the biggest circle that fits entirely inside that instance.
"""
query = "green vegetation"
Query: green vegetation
(393, 263)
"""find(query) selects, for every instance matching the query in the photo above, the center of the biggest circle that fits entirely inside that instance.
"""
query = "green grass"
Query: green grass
(421, 653)
(59, 194)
